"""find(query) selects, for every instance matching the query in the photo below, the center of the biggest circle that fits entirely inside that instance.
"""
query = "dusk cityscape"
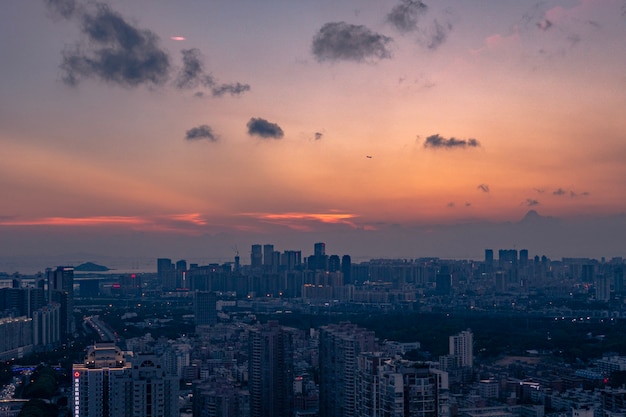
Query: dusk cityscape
(355, 208)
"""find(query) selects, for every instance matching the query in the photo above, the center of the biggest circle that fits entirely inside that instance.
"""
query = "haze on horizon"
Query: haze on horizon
(384, 128)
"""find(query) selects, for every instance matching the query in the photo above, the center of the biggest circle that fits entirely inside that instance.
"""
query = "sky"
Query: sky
(399, 128)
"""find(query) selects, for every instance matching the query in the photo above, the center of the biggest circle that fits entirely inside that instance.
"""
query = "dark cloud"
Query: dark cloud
(484, 188)
(265, 129)
(235, 89)
(559, 191)
(117, 52)
(192, 75)
(544, 25)
(201, 132)
(342, 41)
(62, 8)
(531, 202)
(437, 141)
(404, 16)
(318, 135)
(450, 204)
(468, 204)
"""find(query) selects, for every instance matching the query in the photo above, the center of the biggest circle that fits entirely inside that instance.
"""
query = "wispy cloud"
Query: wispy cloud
(191, 74)
(234, 89)
(484, 188)
(185, 222)
(62, 8)
(305, 221)
(338, 41)
(562, 192)
(201, 132)
(438, 141)
(263, 128)
(531, 202)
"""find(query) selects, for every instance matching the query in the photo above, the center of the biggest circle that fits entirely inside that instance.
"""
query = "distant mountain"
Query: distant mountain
(91, 267)
(532, 217)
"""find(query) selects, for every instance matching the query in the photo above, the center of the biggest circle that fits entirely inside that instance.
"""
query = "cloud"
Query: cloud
(531, 202)
(234, 89)
(201, 132)
(337, 41)
(318, 135)
(117, 52)
(483, 187)
(437, 141)
(62, 8)
(571, 193)
(545, 24)
(191, 75)
(404, 16)
(450, 204)
(263, 128)
(435, 35)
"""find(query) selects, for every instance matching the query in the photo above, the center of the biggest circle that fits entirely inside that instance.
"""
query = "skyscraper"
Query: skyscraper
(268, 253)
(340, 346)
(462, 348)
(166, 273)
(346, 269)
(61, 290)
(270, 376)
(256, 257)
(205, 310)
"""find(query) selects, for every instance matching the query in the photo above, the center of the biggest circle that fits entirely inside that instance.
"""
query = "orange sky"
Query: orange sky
(539, 89)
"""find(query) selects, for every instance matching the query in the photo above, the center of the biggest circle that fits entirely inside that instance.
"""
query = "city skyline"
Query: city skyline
(390, 129)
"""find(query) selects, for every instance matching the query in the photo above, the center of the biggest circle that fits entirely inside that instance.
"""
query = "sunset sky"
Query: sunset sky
(171, 127)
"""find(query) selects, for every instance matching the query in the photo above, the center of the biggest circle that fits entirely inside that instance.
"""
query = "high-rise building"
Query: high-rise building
(101, 384)
(268, 254)
(462, 348)
(108, 385)
(61, 290)
(368, 384)
(270, 377)
(339, 347)
(256, 257)
(409, 389)
(319, 249)
(319, 259)
(154, 391)
(46, 325)
(346, 269)
(205, 309)
(166, 273)
(334, 264)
